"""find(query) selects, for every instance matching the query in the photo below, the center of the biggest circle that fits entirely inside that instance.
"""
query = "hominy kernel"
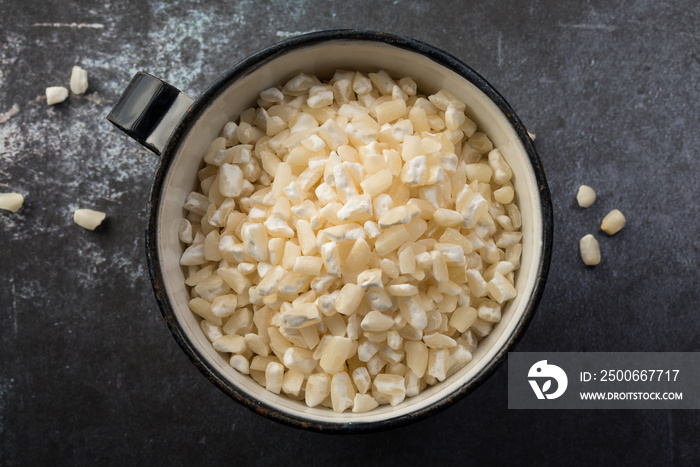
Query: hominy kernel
(585, 196)
(613, 222)
(590, 250)
(88, 219)
(13, 202)
(56, 95)
(78, 80)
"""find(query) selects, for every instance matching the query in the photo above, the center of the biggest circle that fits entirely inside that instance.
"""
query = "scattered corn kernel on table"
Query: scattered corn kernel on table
(88, 368)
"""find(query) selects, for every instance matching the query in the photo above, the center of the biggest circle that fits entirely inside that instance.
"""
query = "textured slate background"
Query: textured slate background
(88, 369)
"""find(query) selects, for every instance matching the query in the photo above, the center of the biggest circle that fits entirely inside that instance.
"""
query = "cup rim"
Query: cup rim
(201, 104)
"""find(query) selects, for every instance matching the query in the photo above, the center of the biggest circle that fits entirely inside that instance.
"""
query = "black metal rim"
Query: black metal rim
(247, 66)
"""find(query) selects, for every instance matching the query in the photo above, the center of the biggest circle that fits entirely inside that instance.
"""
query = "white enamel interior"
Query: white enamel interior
(322, 60)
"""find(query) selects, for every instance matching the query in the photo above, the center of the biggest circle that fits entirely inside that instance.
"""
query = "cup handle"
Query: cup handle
(149, 110)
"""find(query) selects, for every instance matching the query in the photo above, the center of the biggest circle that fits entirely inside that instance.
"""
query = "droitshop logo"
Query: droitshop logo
(540, 377)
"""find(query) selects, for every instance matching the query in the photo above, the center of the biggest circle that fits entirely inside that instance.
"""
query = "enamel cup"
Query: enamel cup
(179, 129)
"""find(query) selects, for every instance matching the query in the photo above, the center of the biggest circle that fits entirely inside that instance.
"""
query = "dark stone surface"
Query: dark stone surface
(88, 369)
